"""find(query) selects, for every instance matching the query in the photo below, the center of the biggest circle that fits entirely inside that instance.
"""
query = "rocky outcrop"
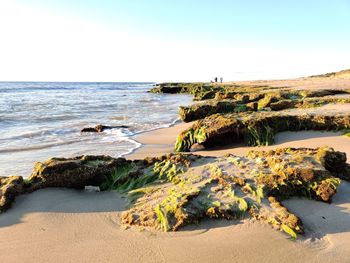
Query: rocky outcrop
(103, 171)
(234, 187)
(200, 91)
(10, 187)
(201, 110)
(60, 172)
(255, 128)
(205, 91)
(230, 102)
(73, 172)
(171, 191)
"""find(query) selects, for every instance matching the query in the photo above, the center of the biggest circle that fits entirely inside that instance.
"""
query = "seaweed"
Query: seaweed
(255, 128)
(213, 191)
(235, 101)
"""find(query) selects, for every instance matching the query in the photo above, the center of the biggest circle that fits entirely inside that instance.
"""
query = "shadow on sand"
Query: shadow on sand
(319, 218)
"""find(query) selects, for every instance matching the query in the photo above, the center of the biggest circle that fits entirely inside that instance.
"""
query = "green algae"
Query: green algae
(127, 178)
(261, 100)
(212, 190)
(255, 128)
(121, 174)
(172, 191)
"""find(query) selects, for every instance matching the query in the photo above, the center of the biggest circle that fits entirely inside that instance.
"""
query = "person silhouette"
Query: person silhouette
(216, 79)
(221, 79)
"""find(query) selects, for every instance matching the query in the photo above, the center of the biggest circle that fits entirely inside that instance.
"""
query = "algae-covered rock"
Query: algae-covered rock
(10, 187)
(282, 104)
(173, 190)
(255, 128)
(200, 91)
(321, 93)
(73, 172)
(234, 187)
(201, 110)
(234, 101)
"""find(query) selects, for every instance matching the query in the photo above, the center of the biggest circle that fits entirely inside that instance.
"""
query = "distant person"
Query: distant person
(216, 79)
(221, 79)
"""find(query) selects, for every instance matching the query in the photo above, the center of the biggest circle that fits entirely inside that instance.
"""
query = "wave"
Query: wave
(41, 133)
(116, 135)
(37, 147)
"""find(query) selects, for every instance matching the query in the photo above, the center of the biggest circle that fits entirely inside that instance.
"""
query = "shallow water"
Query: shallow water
(43, 120)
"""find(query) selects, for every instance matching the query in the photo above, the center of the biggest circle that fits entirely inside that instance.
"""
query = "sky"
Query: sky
(174, 40)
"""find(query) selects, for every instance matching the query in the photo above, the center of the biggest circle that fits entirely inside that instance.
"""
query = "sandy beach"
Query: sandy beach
(174, 131)
(61, 225)
(56, 225)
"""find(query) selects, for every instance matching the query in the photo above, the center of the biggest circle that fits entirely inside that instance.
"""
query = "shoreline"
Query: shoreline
(55, 224)
(140, 133)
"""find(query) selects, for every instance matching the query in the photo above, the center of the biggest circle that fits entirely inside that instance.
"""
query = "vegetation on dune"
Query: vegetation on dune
(342, 73)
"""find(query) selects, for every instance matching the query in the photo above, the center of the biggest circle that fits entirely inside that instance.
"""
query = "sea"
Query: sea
(40, 120)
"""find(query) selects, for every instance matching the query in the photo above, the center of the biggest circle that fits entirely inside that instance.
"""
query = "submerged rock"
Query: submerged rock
(101, 128)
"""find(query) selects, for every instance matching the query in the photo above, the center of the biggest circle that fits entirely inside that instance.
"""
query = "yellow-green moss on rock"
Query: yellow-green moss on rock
(234, 187)
(255, 128)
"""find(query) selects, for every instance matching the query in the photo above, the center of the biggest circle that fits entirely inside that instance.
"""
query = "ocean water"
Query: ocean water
(43, 120)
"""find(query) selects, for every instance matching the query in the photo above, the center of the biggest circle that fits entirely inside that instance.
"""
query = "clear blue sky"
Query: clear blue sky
(283, 28)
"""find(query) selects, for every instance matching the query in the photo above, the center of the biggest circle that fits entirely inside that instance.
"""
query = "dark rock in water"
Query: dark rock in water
(10, 187)
(73, 172)
(101, 128)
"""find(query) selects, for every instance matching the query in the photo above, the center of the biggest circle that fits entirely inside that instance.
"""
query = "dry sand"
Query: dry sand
(56, 225)
(304, 83)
